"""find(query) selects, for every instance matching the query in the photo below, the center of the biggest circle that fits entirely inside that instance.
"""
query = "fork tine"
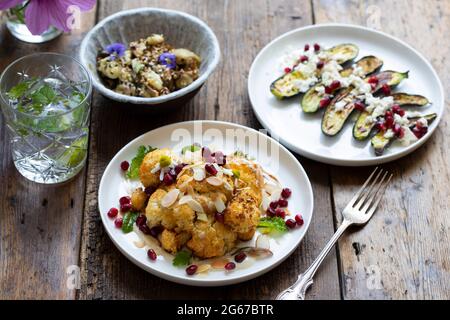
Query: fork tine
(353, 200)
(372, 204)
(369, 191)
(374, 193)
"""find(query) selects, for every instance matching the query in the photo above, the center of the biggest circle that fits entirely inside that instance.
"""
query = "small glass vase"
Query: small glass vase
(21, 32)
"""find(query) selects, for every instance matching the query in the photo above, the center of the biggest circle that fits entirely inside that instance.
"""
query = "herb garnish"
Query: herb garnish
(182, 258)
(133, 171)
(272, 224)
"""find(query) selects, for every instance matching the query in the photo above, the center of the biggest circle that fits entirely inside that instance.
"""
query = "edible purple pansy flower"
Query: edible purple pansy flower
(41, 14)
(115, 50)
(168, 59)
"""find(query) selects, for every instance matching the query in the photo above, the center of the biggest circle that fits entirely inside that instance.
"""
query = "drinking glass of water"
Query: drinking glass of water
(45, 99)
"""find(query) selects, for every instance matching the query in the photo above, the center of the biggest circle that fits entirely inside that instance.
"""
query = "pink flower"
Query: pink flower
(41, 14)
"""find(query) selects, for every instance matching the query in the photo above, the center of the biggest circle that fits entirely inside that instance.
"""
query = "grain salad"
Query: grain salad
(147, 67)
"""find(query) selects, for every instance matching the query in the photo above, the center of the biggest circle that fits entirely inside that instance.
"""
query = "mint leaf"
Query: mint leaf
(272, 225)
(18, 90)
(182, 258)
(128, 221)
(191, 148)
(133, 171)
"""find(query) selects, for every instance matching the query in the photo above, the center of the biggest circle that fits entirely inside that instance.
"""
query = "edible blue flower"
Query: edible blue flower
(115, 50)
(168, 59)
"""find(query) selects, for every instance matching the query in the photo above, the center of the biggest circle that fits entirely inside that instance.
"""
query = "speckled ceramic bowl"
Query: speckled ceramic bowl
(179, 29)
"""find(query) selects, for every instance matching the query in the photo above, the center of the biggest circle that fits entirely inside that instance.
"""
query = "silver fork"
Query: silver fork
(358, 211)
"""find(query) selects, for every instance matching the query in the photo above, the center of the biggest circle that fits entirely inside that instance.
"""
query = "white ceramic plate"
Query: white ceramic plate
(301, 132)
(222, 135)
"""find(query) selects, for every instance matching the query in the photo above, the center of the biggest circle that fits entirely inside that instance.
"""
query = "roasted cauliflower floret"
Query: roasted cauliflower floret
(150, 161)
(249, 176)
(242, 214)
(177, 217)
(168, 241)
(138, 199)
(210, 241)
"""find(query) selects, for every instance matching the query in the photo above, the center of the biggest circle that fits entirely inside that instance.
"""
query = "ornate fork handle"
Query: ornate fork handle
(298, 289)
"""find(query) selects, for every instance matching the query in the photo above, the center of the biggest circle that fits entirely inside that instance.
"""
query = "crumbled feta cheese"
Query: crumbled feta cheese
(413, 114)
(358, 71)
(378, 106)
(320, 89)
(340, 105)
(389, 134)
(408, 138)
(305, 84)
(422, 122)
(403, 121)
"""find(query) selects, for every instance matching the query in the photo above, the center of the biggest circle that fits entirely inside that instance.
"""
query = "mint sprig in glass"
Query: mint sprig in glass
(45, 99)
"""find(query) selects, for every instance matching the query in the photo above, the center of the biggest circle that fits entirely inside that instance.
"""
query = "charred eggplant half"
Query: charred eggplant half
(364, 124)
(343, 104)
(380, 142)
(286, 85)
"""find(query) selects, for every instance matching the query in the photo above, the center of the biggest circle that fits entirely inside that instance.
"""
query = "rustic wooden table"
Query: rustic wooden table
(403, 253)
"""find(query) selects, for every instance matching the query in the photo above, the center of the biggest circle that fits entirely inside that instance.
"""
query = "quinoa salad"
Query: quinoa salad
(147, 67)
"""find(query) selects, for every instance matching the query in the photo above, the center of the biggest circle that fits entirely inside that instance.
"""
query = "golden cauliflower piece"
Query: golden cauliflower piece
(138, 199)
(178, 217)
(249, 176)
(151, 159)
(210, 241)
(242, 214)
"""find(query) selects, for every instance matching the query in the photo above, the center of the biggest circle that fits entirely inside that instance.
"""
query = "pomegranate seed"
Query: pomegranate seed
(373, 79)
(179, 167)
(395, 108)
(240, 257)
(151, 254)
(401, 112)
(316, 47)
(125, 207)
(270, 212)
(389, 121)
(287, 69)
(125, 200)
(290, 223)
(155, 231)
(386, 89)
(324, 102)
(280, 213)
(124, 165)
(113, 212)
(286, 193)
(381, 126)
(335, 84)
(359, 105)
(168, 179)
(328, 90)
(230, 266)
(149, 190)
(388, 114)
(141, 220)
(192, 269)
(303, 58)
(273, 204)
(306, 47)
(373, 86)
(320, 64)
(398, 131)
(210, 169)
(145, 229)
(219, 217)
(401, 133)
(299, 219)
(283, 203)
(118, 222)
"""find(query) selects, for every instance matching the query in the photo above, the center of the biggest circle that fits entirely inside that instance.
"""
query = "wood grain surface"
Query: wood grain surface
(403, 253)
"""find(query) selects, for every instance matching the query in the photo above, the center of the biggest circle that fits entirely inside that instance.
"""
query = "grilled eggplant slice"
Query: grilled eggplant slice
(333, 120)
(311, 99)
(284, 87)
(380, 143)
(362, 128)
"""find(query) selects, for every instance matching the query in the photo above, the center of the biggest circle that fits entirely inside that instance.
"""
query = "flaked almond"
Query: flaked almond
(214, 181)
(156, 168)
(219, 204)
(184, 185)
(170, 198)
(202, 216)
(203, 268)
(227, 186)
(199, 173)
(259, 253)
(265, 201)
(262, 242)
(195, 205)
(185, 199)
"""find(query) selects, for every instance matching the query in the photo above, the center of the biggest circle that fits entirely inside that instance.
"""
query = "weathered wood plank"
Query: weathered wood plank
(243, 28)
(39, 225)
(406, 245)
